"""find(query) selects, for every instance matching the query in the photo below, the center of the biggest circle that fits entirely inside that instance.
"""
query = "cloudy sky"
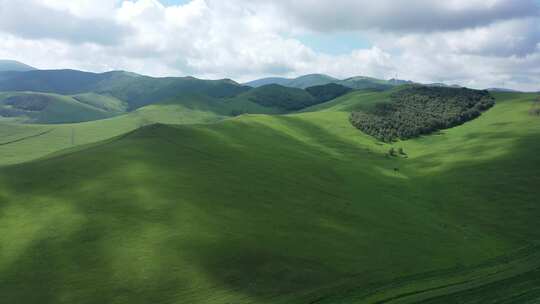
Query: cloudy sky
(477, 43)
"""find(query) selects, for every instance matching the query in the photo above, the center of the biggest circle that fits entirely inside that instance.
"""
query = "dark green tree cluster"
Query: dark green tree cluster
(10, 112)
(421, 110)
(20, 105)
(324, 93)
(395, 153)
(32, 102)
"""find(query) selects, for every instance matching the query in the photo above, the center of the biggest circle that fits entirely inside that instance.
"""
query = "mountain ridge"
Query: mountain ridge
(310, 80)
(137, 90)
(14, 66)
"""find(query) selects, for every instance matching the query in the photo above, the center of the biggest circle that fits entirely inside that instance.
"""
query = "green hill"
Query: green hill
(33, 107)
(277, 96)
(327, 92)
(269, 80)
(365, 83)
(311, 80)
(114, 93)
(20, 143)
(26, 142)
(143, 90)
(298, 208)
(135, 90)
(103, 102)
(354, 101)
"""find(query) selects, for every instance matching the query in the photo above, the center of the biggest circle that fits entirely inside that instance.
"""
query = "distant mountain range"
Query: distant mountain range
(502, 90)
(302, 82)
(136, 90)
(306, 81)
(68, 96)
(357, 83)
(39, 94)
(15, 66)
(443, 85)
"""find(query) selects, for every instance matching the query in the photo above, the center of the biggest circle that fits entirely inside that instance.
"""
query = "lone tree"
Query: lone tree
(535, 110)
(401, 152)
(392, 152)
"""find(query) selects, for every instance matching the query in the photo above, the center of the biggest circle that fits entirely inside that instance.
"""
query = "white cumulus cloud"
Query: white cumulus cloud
(477, 43)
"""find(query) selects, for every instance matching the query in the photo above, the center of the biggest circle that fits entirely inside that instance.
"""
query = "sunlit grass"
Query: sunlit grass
(273, 209)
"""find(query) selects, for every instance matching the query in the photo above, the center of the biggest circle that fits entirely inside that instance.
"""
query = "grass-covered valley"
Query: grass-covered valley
(190, 191)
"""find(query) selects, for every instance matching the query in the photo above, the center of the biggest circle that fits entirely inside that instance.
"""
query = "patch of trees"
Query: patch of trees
(421, 110)
(327, 92)
(30, 102)
(393, 152)
(10, 112)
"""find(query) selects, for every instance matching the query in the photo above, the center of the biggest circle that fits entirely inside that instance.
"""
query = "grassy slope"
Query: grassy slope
(279, 209)
(21, 143)
(62, 109)
(104, 102)
(222, 106)
(353, 101)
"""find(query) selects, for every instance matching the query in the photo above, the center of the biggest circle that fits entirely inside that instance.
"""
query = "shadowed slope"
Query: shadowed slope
(288, 209)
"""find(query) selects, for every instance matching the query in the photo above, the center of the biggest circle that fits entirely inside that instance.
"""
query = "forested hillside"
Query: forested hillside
(419, 110)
